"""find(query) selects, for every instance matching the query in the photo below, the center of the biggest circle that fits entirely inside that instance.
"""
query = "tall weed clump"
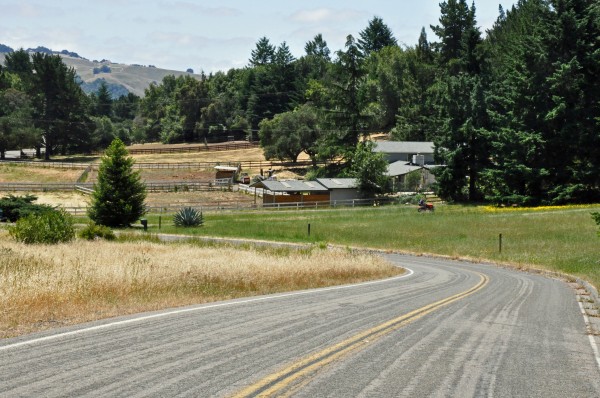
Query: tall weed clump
(93, 231)
(50, 227)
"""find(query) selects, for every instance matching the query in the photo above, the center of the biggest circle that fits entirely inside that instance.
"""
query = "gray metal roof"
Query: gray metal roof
(290, 186)
(401, 168)
(410, 147)
(338, 183)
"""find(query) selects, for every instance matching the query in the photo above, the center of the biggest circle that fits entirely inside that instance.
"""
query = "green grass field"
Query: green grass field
(557, 239)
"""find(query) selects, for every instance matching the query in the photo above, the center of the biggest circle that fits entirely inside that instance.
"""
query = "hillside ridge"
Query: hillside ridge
(120, 78)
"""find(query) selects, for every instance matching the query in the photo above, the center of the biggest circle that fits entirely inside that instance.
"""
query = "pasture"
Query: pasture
(557, 239)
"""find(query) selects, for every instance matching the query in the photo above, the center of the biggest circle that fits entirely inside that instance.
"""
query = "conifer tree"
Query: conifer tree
(375, 37)
(119, 194)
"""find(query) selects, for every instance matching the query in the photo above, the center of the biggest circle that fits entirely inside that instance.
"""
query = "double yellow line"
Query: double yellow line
(292, 376)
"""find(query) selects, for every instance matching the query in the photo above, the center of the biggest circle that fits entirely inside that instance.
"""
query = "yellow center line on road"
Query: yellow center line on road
(284, 380)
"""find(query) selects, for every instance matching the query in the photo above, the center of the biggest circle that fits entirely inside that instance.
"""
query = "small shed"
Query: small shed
(399, 170)
(292, 191)
(223, 172)
(341, 188)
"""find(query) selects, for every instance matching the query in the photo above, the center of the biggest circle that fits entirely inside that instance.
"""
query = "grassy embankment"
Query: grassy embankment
(559, 239)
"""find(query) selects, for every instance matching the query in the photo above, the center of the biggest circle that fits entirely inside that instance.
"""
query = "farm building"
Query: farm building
(400, 170)
(223, 172)
(292, 191)
(340, 188)
(297, 191)
(406, 157)
(406, 151)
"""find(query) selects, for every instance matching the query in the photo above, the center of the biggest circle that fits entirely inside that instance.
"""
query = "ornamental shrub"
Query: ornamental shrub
(50, 227)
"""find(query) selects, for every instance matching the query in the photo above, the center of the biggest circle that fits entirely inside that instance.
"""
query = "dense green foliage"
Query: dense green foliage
(16, 207)
(119, 194)
(369, 169)
(514, 112)
(188, 217)
(94, 231)
(49, 227)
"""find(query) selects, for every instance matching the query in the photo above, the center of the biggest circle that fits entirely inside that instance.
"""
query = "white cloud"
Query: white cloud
(211, 11)
(321, 15)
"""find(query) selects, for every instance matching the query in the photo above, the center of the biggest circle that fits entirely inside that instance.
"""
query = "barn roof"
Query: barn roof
(411, 147)
(290, 186)
(401, 168)
(338, 183)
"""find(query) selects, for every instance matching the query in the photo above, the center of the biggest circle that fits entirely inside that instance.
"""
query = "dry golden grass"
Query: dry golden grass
(18, 173)
(49, 286)
(252, 154)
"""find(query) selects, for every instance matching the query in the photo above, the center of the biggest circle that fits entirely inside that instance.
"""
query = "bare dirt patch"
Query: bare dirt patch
(73, 199)
(55, 199)
(212, 198)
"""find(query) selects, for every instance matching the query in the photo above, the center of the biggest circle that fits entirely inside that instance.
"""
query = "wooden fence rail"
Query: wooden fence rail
(170, 209)
(168, 186)
(189, 149)
(47, 164)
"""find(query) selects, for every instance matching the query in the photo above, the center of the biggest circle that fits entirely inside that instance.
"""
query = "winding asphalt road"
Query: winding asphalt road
(446, 329)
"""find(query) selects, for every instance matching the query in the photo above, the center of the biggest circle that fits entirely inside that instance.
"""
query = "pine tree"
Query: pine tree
(375, 37)
(263, 54)
(119, 194)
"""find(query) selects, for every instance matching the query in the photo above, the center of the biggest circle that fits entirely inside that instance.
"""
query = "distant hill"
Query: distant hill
(120, 78)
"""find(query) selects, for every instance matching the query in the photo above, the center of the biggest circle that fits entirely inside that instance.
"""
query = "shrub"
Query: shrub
(188, 217)
(16, 207)
(49, 227)
(94, 231)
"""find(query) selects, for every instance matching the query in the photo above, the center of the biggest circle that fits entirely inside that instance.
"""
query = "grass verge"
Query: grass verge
(49, 286)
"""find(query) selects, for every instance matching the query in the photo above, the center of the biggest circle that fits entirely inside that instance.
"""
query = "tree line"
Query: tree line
(514, 113)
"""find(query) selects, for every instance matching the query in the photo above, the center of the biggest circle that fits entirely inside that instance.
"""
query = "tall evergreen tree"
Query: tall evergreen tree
(119, 194)
(376, 36)
(348, 75)
(573, 142)
(416, 118)
(461, 144)
(318, 48)
(517, 103)
(458, 34)
(263, 54)
(60, 106)
(104, 101)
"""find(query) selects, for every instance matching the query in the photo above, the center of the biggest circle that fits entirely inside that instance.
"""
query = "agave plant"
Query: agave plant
(188, 217)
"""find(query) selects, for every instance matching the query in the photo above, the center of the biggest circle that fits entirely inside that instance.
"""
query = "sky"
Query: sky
(210, 35)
